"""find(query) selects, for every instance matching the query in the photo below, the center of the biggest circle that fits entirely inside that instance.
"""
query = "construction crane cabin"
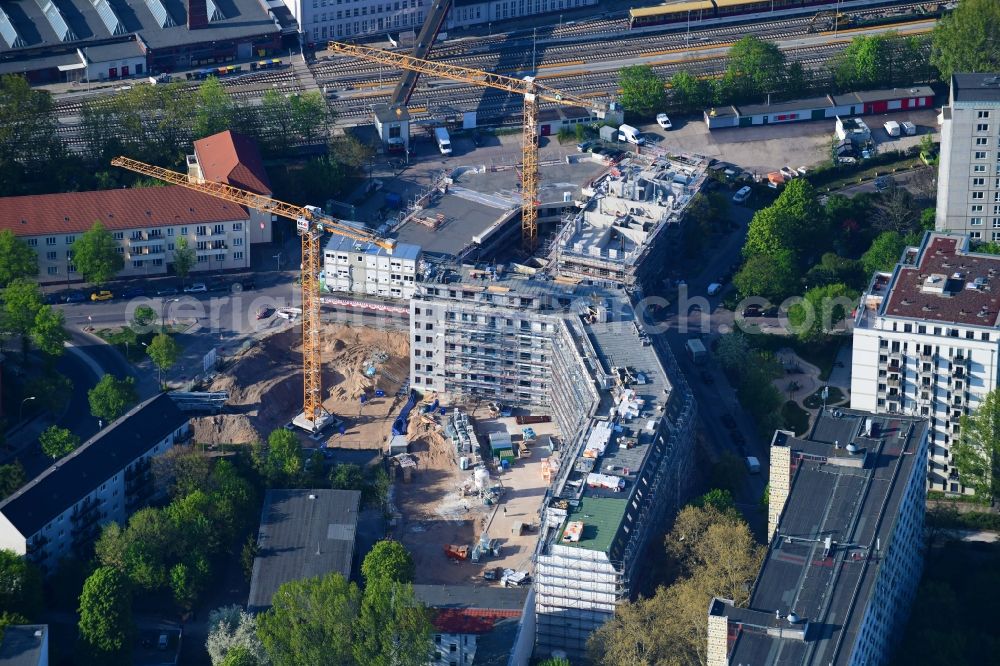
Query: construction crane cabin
(532, 92)
(311, 223)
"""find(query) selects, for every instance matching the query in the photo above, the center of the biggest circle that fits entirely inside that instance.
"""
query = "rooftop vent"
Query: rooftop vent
(793, 618)
(852, 448)
(312, 496)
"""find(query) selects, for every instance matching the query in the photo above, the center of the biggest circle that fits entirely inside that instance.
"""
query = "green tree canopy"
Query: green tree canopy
(184, 257)
(12, 477)
(106, 616)
(284, 458)
(112, 397)
(821, 311)
(17, 260)
(690, 93)
(214, 109)
(311, 621)
(164, 351)
(95, 254)
(233, 631)
(966, 39)
(393, 628)
(144, 316)
(976, 453)
(29, 143)
(49, 330)
(57, 442)
(756, 68)
(22, 300)
(388, 560)
(774, 277)
(20, 585)
(642, 90)
(884, 253)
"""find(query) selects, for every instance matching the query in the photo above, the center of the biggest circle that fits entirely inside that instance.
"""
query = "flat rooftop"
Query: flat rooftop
(946, 283)
(852, 499)
(24, 644)
(303, 534)
(976, 87)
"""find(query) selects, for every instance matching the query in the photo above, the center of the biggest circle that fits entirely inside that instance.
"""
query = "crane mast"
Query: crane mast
(311, 223)
(532, 92)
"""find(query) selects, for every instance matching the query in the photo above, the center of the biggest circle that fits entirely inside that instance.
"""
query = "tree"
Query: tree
(184, 257)
(188, 580)
(7, 618)
(239, 656)
(20, 585)
(642, 90)
(976, 454)
(884, 253)
(718, 499)
(966, 39)
(17, 260)
(49, 330)
(22, 301)
(821, 311)
(214, 109)
(756, 69)
(52, 389)
(895, 210)
(57, 442)
(163, 350)
(284, 459)
(393, 628)
(388, 560)
(311, 621)
(834, 268)
(181, 471)
(95, 254)
(12, 477)
(864, 63)
(106, 615)
(233, 630)
(773, 277)
(112, 397)
(29, 142)
(143, 316)
(347, 476)
(690, 93)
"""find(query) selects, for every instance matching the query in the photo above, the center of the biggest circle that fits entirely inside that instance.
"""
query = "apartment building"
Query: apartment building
(234, 159)
(926, 343)
(106, 479)
(969, 171)
(628, 228)
(146, 222)
(845, 553)
(364, 268)
(320, 20)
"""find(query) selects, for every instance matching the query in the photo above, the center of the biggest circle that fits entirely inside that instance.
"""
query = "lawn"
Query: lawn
(795, 418)
(815, 401)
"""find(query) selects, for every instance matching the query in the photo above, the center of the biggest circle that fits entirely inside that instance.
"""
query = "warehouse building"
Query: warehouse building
(926, 343)
(846, 528)
(80, 40)
(145, 221)
(107, 478)
(820, 108)
(303, 534)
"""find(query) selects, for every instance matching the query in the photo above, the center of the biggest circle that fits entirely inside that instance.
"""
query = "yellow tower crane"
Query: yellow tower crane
(311, 223)
(533, 93)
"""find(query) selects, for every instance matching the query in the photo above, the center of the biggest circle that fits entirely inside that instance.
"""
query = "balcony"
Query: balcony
(926, 355)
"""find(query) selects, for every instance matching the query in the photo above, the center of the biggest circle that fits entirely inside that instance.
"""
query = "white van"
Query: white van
(891, 128)
(909, 129)
(630, 134)
(443, 140)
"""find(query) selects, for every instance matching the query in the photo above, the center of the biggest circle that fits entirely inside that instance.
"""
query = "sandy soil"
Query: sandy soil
(265, 386)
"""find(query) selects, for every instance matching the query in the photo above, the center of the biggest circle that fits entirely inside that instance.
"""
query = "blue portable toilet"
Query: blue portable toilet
(444, 410)
(379, 393)
(364, 398)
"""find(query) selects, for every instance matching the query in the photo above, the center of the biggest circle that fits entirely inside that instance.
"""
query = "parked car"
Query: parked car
(714, 288)
(133, 292)
(103, 295)
(742, 194)
(51, 299)
(663, 121)
(196, 288)
(75, 297)
(753, 311)
(882, 183)
(585, 146)
(166, 291)
(264, 312)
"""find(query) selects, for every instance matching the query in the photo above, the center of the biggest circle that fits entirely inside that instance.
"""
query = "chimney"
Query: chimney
(197, 14)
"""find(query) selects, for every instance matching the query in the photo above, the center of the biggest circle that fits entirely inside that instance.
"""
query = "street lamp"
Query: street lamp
(20, 413)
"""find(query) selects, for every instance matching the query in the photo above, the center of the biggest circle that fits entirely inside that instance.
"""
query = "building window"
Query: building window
(982, 114)
(120, 249)
(70, 268)
(184, 231)
(237, 226)
(978, 195)
(237, 241)
(52, 270)
(32, 242)
(220, 257)
(977, 208)
(975, 235)
(51, 240)
(51, 256)
(70, 240)
(979, 155)
(237, 256)
(982, 127)
(137, 263)
(202, 258)
(978, 182)
(975, 221)
(69, 254)
(119, 235)
(170, 231)
(979, 168)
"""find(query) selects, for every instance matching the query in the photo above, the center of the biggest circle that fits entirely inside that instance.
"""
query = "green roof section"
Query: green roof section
(601, 517)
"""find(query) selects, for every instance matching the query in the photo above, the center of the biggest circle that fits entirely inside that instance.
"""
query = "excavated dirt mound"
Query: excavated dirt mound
(265, 383)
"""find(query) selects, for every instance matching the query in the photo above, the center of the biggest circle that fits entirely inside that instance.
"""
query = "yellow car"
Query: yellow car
(102, 295)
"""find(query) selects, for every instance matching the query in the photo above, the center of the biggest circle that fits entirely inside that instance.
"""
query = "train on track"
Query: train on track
(230, 70)
(698, 12)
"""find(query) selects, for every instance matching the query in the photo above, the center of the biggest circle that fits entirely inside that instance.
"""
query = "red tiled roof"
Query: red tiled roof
(963, 301)
(75, 212)
(469, 620)
(228, 157)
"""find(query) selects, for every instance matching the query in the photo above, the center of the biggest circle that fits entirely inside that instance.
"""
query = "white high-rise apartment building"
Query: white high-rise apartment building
(969, 174)
(927, 343)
